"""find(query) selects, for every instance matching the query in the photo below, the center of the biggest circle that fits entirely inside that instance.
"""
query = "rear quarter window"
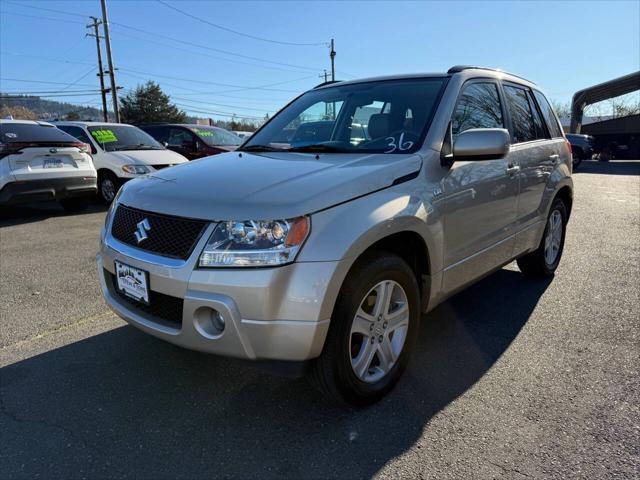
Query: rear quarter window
(26, 132)
(548, 114)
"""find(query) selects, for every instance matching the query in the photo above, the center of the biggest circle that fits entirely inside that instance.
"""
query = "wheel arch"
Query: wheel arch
(565, 193)
(408, 244)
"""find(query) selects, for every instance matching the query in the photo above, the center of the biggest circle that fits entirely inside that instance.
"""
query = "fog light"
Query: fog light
(217, 320)
(209, 322)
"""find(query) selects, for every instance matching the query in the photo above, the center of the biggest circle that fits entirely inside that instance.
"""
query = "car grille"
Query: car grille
(168, 236)
(162, 308)
(160, 167)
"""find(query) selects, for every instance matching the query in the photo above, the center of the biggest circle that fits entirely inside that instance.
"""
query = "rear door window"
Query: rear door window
(549, 116)
(478, 107)
(522, 118)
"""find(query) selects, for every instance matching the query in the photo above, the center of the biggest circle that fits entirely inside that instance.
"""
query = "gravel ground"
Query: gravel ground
(512, 378)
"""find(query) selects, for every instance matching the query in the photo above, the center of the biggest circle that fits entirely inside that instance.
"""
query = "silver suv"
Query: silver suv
(358, 207)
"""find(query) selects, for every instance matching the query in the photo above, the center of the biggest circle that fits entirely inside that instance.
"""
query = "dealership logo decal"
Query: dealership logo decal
(141, 230)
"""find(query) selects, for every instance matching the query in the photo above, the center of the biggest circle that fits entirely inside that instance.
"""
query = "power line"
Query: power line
(42, 81)
(240, 87)
(184, 42)
(226, 29)
(206, 47)
(17, 97)
(40, 57)
(81, 78)
(40, 17)
(202, 54)
(62, 12)
(221, 114)
(173, 97)
(193, 91)
(46, 91)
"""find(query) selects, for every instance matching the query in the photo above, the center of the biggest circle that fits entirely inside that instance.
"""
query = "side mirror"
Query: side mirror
(482, 144)
(165, 144)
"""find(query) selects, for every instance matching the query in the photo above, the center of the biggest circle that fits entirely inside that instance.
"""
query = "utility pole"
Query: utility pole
(326, 105)
(112, 73)
(103, 91)
(332, 54)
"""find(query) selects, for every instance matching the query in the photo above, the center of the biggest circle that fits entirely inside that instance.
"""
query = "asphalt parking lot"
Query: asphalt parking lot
(513, 378)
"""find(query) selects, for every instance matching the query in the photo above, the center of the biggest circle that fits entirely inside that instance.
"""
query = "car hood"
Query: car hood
(148, 157)
(226, 148)
(232, 186)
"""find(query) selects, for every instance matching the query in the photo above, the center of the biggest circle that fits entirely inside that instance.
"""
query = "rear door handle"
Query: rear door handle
(512, 169)
(554, 158)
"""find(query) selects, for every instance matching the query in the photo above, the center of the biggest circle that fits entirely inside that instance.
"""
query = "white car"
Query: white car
(40, 162)
(120, 152)
(243, 135)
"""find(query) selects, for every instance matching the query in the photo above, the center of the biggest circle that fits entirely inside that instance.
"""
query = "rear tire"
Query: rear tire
(108, 185)
(544, 261)
(75, 204)
(369, 343)
(576, 158)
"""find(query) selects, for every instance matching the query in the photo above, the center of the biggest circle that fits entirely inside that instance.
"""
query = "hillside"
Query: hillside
(49, 109)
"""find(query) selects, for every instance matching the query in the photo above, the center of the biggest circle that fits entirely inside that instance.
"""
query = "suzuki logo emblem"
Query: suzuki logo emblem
(141, 230)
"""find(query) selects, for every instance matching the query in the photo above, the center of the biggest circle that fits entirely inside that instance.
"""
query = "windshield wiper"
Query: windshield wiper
(319, 147)
(140, 146)
(262, 148)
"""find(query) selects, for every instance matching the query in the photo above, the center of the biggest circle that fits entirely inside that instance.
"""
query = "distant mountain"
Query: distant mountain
(50, 109)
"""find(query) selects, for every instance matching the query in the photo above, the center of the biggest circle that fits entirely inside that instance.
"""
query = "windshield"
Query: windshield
(216, 136)
(389, 116)
(123, 137)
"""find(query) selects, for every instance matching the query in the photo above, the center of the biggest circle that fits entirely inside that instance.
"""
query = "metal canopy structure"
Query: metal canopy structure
(597, 93)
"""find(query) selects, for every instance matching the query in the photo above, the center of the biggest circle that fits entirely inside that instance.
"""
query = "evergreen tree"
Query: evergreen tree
(147, 104)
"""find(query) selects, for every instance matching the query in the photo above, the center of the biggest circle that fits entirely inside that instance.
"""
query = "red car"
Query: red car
(193, 141)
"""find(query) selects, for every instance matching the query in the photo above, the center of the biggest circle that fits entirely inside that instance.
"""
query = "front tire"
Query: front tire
(373, 330)
(544, 261)
(108, 185)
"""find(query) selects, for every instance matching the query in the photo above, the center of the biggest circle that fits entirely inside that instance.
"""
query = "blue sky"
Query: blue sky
(562, 46)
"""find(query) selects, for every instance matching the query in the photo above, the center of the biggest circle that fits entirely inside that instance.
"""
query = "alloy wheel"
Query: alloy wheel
(378, 331)
(553, 238)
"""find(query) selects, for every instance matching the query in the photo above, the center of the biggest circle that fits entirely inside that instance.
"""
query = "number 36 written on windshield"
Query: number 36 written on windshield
(401, 145)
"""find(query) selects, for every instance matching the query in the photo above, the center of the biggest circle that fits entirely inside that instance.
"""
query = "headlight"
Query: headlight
(136, 169)
(255, 243)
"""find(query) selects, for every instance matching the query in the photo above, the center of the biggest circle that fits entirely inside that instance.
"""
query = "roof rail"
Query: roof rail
(326, 83)
(460, 68)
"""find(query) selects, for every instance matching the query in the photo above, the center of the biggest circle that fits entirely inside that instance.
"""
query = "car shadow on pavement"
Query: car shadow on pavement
(613, 167)
(123, 403)
(28, 213)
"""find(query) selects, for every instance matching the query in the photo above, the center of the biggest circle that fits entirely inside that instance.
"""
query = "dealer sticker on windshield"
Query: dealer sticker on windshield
(104, 136)
(132, 282)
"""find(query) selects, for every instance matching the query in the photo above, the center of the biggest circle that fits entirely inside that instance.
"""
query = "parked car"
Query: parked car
(120, 152)
(327, 251)
(242, 134)
(194, 141)
(582, 147)
(40, 162)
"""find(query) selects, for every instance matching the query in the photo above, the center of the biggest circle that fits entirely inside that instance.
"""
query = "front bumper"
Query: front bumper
(47, 189)
(270, 313)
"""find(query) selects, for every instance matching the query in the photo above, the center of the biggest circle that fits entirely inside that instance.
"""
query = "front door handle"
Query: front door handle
(512, 169)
